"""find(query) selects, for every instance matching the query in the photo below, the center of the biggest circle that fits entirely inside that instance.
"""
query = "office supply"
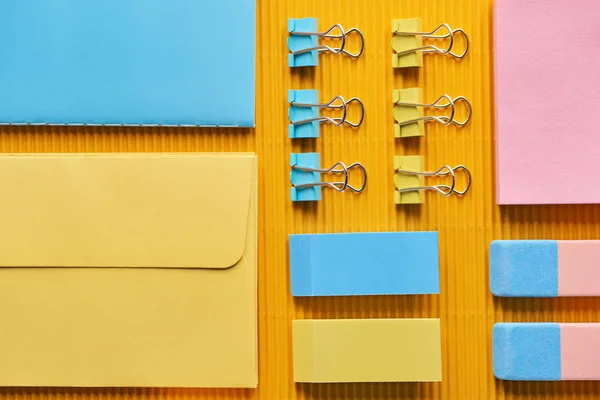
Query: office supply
(546, 351)
(466, 334)
(409, 115)
(544, 268)
(407, 42)
(304, 113)
(409, 179)
(547, 141)
(343, 264)
(305, 177)
(303, 42)
(128, 270)
(367, 350)
(128, 62)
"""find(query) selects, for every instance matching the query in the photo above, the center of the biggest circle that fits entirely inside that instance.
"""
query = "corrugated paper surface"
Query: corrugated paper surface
(466, 226)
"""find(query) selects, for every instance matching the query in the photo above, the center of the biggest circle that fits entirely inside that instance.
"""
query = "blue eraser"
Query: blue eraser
(524, 268)
(376, 263)
(526, 351)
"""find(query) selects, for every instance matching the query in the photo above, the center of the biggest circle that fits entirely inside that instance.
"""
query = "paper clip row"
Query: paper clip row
(305, 113)
(408, 47)
(305, 177)
(409, 112)
(303, 42)
(409, 180)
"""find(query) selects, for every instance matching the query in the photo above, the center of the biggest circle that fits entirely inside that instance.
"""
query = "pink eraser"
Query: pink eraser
(580, 351)
(579, 267)
(547, 101)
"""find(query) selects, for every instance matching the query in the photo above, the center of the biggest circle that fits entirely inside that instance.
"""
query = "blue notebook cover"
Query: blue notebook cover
(128, 62)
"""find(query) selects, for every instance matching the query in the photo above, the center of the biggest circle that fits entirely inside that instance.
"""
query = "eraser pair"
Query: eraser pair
(545, 268)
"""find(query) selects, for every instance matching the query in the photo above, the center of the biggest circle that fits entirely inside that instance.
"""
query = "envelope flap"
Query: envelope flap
(125, 210)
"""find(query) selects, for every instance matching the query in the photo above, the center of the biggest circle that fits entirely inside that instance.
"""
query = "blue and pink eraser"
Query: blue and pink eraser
(545, 268)
(546, 351)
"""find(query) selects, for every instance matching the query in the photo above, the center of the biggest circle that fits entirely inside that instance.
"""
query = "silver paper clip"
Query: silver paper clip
(303, 42)
(305, 177)
(304, 113)
(410, 175)
(453, 120)
(409, 111)
(407, 42)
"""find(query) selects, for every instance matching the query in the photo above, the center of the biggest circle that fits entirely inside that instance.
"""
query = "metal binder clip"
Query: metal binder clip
(409, 115)
(303, 42)
(305, 177)
(460, 124)
(408, 47)
(305, 109)
(409, 180)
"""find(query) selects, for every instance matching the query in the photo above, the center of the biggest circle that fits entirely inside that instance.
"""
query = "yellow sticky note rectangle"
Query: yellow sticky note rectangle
(367, 350)
(128, 270)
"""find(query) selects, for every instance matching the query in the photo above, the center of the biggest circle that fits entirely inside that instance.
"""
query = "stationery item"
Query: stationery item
(303, 41)
(342, 264)
(305, 176)
(304, 113)
(408, 46)
(128, 270)
(367, 350)
(544, 268)
(128, 62)
(408, 112)
(409, 179)
(546, 351)
(547, 140)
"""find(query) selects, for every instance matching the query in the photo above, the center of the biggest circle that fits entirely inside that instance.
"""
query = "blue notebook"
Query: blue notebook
(128, 62)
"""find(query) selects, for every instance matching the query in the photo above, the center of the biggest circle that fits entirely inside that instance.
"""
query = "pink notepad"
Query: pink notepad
(547, 101)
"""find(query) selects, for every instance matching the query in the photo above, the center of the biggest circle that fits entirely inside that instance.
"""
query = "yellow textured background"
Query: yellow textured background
(466, 226)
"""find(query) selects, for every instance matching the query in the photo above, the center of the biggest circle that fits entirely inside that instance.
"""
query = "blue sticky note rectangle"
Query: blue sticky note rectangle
(375, 263)
(128, 62)
(524, 268)
(526, 351)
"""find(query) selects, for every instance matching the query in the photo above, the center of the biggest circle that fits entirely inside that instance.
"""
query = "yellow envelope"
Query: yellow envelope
(128, 270)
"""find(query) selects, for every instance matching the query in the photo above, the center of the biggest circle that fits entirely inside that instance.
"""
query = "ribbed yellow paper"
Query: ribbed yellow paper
(466, 226)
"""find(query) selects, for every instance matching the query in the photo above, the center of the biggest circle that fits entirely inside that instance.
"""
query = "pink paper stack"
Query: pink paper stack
(547, 101)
